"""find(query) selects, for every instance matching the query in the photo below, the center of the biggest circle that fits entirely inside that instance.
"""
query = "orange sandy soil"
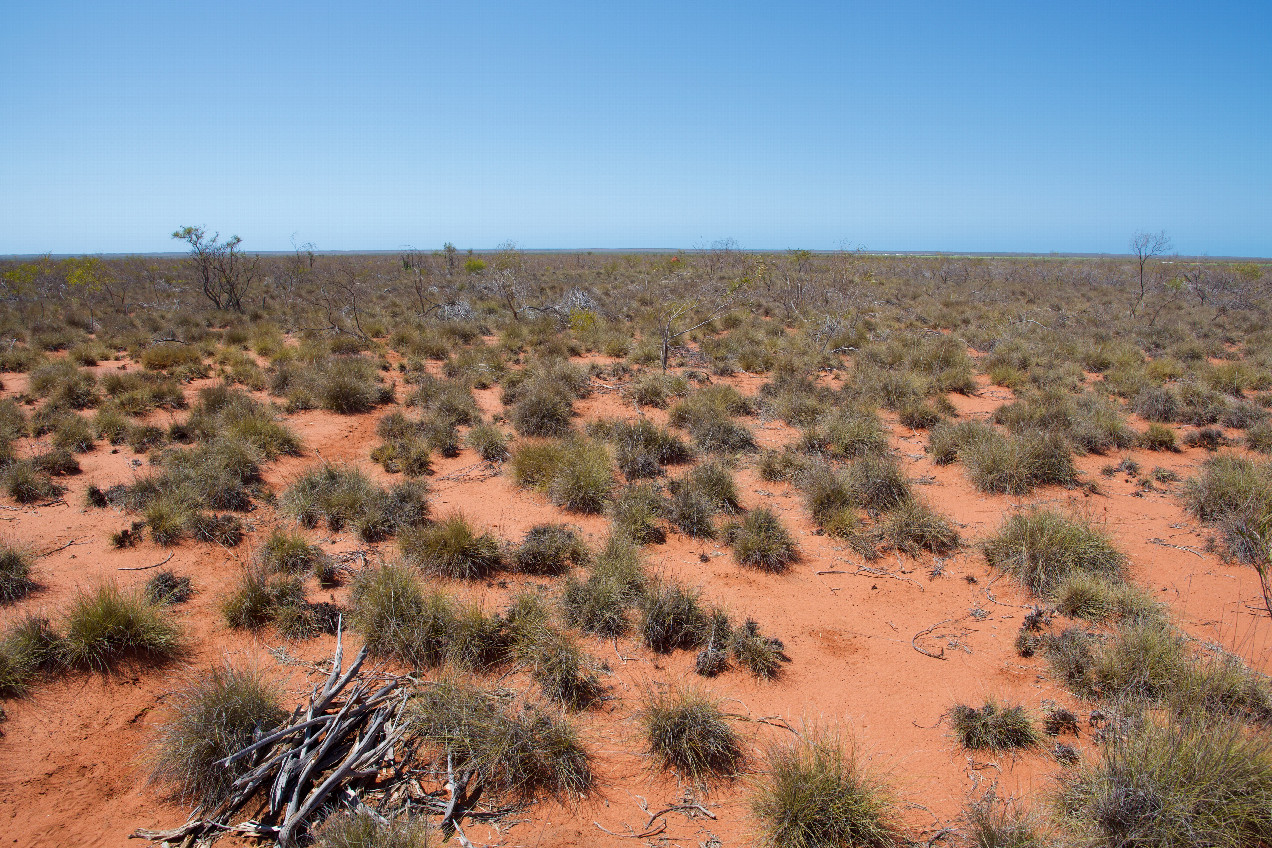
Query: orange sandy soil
(73, 754)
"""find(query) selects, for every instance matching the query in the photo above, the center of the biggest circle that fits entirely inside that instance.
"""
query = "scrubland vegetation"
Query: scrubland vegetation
(799, 372)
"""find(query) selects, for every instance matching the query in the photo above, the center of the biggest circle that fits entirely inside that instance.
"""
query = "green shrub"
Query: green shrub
(993, 727)
(642, 448)
(550, 549)
(759, 654)
(106, 626)
(672, 618)
(1175, 784)
(1259, 438)
(518, 755)
(261, 598)
(914, 527)
(583, 480)
(563, 670)
(396, 619)
(366, 829)
(1015, 466)
(1158, 437)
(489, 442)
(452, 548)
(15, 572)
(948, 440)
(64, 385)
(692, 512)
(27, 647)
(542, 409)
(171, 356)
(290, 553)
(816, 794)
(535, 463)
(787, 465)
(762, 541)
(26, 484)
(994, 824)
(1230, 485)
(600, 603)
(708, 416)
(878, 484)
(341, 495)
(217, 713)
(635, 514)
(74, 434)
(1041, 548)
(687, 731)
(847, 433)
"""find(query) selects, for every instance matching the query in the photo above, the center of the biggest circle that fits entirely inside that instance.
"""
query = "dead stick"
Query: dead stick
(914, 640)
(148, 567)
(62, 548)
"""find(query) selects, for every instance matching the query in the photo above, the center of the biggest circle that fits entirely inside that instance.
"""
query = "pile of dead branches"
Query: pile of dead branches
(343, 740)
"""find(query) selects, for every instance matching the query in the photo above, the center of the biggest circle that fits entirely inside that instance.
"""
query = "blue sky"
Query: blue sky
(1014, 126)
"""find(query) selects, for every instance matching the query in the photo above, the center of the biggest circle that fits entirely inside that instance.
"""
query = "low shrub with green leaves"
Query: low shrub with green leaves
(15, 572)
(550, 549)
(452, 547)
(688, 732)
(672, 618)
(262, 598)
(615, 583)
(1041, 548)
(389, 607)
(517, 754)
(993, 727)
(817, 793)
(576, 473)
(366, 829)
(216, 713)
(1174, 784)
(636, 512)
(106, 626)
(761, 540)
(342, 495)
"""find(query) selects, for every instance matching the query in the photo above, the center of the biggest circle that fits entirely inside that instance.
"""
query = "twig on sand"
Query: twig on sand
(61, 548)
(148, 567)
(914, 640)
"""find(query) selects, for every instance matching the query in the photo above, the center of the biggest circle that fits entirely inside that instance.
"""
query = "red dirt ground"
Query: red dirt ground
(73, 754)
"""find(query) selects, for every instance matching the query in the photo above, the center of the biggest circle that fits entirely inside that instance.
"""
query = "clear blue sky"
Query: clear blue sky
(1016, 126)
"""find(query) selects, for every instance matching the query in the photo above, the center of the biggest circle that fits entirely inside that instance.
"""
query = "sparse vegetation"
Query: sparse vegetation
(688, 732)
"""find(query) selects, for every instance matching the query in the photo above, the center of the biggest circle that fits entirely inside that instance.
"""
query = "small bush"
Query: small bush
(583, 480)
(26, 484)
(877, 483)
(563, 670)
(519, 755)
(368, 830)
(549, 549)
(786, 465)
(27, 647)
(341, 495)
(992, 824)
(600, 603)
(1158, 437)
(15, 573)
(1230, 485)
(688, 732)
(1015, 466)
(396, 619)
(106, 626)
(672, 618)
(914, 527)
(1175, 784)
(289, 553)
(947, 441)
(215, 715)
(993, 727)
(452, 548)
(261, 598)
(489, 442)
(542, 410)
(759, 654)
(166, 588)
(635, 514)
(816, 794)
(761, 540)
(1041, 548)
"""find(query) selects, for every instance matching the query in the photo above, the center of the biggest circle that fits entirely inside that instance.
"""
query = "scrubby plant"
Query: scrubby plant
(878, 484)
(366, 829)
(994, 823)
(290, 553)
(642, 448)
(817, 793)
(1017, 465)
(708, 414)
(759, 654)
(214, 715)
(489, 442)
(542, 409)
(550, 549)
(617, 580)
(26, 484)
(1174, 784)
(687, 731)
(672, 618)
(28, 646)
(518, 755)
(107, 625)
(166, 588)
(1041, 548)
(452, 548)
(761, 540)
(992, 726)
(787, 465)
(914, 527)
(396, 619)
(341, 495)
(635, 513)
(1158, 437)
(261, 598)
(15, 572)
(575, 473)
